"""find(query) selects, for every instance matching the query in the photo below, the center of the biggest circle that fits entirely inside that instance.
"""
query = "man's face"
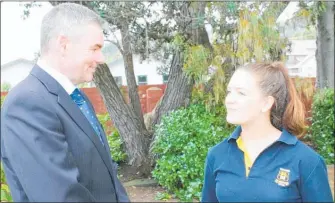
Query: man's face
(83, 53)
(244, 101)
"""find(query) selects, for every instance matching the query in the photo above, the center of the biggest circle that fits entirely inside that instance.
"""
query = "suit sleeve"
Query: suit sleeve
(315, 185)
(208, 190)
(39, 154)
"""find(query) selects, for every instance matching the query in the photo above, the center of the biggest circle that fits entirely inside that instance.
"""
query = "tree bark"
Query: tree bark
(133, 134)
(178, 90)
(179, 87)
(130, 76)
(325, 46)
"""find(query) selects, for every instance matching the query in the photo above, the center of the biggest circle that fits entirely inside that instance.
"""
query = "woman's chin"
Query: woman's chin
(233, 121)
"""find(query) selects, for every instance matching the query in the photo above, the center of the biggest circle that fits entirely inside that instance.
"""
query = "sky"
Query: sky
(20, 38)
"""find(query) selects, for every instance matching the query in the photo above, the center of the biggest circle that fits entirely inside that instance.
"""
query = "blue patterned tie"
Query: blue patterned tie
(78, 98)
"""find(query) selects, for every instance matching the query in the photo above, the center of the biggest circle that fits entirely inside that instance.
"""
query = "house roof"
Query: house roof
(17, 61)
(288, 13)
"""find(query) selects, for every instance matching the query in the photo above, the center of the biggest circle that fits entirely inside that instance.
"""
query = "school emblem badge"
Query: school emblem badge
(283, 177)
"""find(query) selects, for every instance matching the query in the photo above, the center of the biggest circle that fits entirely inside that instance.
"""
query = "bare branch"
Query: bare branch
(116, 44)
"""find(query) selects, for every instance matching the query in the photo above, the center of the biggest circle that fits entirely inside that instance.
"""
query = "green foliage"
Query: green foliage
(321, 132)
(196, 61)
(2, 99)
(5, 193)
(181, 145)
(113, 138)
(5, 87)
(251, 35)
(162, 196)
(311, 10)
(84, 85)
(259, 38)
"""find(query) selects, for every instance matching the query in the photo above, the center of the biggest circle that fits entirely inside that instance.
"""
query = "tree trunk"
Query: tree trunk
(325, 46)
(179, 87)
(178, 90)
(129, 69)
(134, 135)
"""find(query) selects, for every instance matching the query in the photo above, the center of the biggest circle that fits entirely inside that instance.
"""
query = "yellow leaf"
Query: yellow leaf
(244, 23)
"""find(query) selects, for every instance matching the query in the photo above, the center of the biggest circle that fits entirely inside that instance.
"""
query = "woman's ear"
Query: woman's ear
(269, 102)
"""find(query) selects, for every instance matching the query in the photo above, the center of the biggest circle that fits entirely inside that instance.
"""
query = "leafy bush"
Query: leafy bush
(321, 132)
(5, 193)
(2, 99)
(5, 87)
(113, 138)
(181, 145)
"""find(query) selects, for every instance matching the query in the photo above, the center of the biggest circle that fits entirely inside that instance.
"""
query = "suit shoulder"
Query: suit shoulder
(25, 88)
(28, 91)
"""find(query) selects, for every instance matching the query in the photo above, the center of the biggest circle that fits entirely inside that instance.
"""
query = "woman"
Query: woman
(263, 160)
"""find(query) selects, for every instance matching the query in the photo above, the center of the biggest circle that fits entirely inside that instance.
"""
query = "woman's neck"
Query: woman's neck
(258, 130)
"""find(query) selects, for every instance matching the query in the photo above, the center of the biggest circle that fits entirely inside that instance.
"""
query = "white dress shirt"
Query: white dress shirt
(59, 77)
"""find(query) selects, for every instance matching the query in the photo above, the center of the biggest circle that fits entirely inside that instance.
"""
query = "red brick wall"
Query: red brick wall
(149, 96)
(4, 93)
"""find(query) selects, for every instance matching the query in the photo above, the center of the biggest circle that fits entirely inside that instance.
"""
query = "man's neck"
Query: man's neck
(52, 69)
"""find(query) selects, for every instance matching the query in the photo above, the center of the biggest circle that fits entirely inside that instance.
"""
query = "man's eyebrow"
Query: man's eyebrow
(98, 46)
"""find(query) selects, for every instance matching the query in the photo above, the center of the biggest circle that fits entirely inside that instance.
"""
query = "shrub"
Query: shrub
(113, 138)
(5, 193)
(321, 131)
(181, 145)
(2, 99)
(5, 87)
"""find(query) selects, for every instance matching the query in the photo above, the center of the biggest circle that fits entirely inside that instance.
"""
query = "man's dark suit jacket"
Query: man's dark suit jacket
(49, 150)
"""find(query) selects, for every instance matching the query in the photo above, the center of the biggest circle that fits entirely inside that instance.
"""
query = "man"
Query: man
(53, 148)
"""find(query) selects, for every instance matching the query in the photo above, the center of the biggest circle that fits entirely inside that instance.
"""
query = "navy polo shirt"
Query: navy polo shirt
(286, 171)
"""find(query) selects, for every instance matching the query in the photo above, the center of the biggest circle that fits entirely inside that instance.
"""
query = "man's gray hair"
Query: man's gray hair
(63, 18)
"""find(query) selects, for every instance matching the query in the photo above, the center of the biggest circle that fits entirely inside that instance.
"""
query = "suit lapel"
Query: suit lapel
(73, 111)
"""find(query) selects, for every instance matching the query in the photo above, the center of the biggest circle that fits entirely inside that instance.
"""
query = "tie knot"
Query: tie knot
(77, 97)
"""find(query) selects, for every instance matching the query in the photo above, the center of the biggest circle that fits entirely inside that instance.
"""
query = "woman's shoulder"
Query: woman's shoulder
(307, 152)
(216, 152)
(309, 159)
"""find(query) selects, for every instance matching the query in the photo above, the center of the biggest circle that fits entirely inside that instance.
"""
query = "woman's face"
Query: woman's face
(245, 101)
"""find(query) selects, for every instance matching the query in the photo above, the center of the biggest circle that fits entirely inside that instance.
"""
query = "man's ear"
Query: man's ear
(268, 103)
(62, 42)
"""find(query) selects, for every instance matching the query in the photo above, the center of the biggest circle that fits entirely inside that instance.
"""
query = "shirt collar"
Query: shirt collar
(235, 134)
(59, 77)
(285, 136)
